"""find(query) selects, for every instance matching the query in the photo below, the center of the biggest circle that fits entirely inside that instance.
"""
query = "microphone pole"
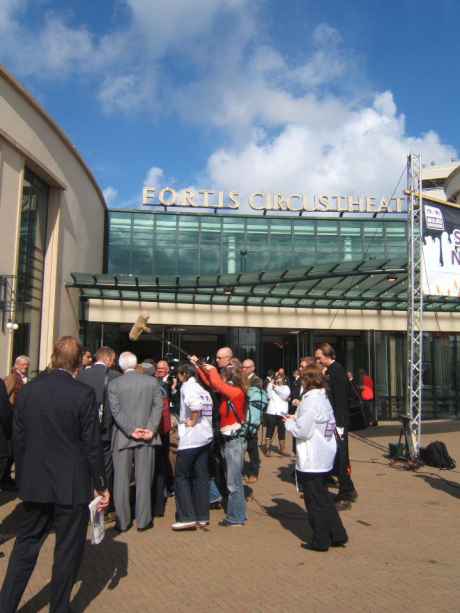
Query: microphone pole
(184, 353)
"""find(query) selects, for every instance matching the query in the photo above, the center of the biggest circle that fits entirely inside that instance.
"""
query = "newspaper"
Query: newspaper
(96, 521)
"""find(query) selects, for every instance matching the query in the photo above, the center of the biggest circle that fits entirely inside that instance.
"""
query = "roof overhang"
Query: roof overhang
(370, 284)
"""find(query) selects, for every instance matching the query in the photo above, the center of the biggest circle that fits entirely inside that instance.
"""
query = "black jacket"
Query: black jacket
(57, 441)
(95, 378)
(338, 392)
(6, 418)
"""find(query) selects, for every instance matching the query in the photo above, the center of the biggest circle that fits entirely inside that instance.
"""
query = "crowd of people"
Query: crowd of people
(97, 426)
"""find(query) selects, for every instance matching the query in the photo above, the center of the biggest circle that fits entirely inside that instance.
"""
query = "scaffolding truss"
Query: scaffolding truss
(413, 421)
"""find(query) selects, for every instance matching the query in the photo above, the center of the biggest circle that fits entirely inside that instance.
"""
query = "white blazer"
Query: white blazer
(278, 396)
(313, 428)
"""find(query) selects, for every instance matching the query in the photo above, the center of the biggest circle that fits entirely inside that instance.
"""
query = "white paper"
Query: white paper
(97, 522)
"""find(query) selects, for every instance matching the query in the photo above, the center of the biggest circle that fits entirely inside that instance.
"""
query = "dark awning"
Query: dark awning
(371, 284)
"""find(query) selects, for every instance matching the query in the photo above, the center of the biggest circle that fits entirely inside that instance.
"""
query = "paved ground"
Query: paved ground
(403, 553)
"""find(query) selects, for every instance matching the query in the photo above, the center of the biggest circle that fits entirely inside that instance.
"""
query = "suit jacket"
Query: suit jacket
(136, 402)
(296, 394)
(256, 381)
(95, 378)
(338, 392)
(6, 419)
(57, 443)
(14, 385)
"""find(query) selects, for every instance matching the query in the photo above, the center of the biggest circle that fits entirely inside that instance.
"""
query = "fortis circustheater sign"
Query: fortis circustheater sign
(270, 201)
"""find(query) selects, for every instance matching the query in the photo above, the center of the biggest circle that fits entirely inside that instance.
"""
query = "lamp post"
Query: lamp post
(8, 304)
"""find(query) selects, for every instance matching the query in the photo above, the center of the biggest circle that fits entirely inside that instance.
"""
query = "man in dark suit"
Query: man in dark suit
(6, 418)
(58, 455)
(338, 392)
(98, 377)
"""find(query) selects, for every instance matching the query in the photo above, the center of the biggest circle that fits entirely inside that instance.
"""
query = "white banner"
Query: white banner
(441, 249)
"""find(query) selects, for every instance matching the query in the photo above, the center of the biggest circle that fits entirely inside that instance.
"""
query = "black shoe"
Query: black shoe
(119, 529)
(229, 524)
(347, 496)
(343, 505)
(339, 543)
(147, 527)
(312, 547)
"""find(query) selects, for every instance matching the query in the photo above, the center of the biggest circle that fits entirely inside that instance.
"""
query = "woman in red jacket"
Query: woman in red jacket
(231, 385)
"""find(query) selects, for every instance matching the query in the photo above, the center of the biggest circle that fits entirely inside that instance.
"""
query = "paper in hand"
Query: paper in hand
(97, 522)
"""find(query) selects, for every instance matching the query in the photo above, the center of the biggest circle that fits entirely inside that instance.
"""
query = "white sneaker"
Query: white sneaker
(202, 524)
(184, 525)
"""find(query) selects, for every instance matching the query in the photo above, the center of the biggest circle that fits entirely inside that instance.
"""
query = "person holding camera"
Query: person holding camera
(314, 430)
(231, 384)
(195, 437)
(278, 393)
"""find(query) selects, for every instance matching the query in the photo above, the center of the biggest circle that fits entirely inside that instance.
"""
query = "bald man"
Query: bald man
(253, 467)
(224, 357)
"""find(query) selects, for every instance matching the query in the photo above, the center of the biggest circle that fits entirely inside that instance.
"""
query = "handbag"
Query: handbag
(241, 432)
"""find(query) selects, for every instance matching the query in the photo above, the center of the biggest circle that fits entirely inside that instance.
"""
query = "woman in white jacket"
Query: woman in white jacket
(195, 436)
(278, 393)
(314, 430)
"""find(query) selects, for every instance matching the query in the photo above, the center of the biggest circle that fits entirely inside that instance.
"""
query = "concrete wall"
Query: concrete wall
(265, 317)
(76, 215)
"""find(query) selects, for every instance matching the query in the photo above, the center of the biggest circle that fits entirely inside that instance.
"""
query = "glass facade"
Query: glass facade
(146, 243)
(32, 247)
(173, 245)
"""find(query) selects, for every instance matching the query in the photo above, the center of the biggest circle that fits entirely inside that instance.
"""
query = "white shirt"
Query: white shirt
(313, 429)
(194, 398)
(278, 396)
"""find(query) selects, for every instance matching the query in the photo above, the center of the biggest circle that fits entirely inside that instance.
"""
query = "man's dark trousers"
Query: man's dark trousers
(342, 466)
(253, 465)
(70, 524)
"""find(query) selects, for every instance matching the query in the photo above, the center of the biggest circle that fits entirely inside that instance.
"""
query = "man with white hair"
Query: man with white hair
(18, 377)
(14, 383)
(136, 405)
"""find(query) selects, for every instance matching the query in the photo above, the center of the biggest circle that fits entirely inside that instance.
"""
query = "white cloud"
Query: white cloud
(364, 155)
(154, 177)
(128, 93)
(328, 61)
(110, 195)
(288, 125)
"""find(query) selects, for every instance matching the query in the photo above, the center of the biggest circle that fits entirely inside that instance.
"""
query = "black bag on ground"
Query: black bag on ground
(436, 454)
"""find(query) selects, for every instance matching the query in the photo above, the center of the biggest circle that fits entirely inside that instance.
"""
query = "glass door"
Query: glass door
(31, 265)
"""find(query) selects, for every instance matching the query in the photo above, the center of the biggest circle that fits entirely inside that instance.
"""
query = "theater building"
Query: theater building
(270, 275)
(52, 216)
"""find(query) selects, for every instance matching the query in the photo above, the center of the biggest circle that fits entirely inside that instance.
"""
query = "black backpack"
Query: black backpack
(436, 454)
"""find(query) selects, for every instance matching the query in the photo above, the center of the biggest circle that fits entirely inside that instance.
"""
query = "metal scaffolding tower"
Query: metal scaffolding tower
(413, 420)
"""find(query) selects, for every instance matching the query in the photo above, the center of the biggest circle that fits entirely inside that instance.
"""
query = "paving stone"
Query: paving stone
(402, 556)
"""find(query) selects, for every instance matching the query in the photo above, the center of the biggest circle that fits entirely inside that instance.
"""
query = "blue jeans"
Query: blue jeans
(233, 451)
(214, 494)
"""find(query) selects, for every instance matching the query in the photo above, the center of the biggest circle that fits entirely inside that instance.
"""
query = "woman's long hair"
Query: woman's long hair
(234, 374)
(312, 378)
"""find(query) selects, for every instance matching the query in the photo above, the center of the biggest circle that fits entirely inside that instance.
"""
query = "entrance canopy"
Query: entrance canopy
(372, 284)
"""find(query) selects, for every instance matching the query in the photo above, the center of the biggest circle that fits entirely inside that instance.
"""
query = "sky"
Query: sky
(243, 95)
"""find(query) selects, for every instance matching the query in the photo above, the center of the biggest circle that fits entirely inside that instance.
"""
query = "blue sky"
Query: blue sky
(248, 95)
